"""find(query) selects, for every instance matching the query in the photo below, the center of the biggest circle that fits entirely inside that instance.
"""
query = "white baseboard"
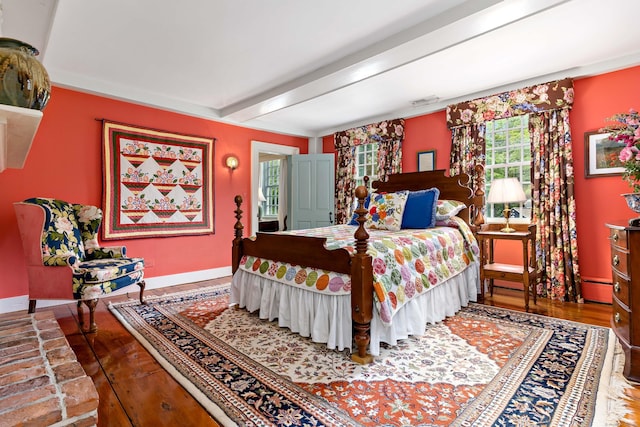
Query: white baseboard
(19, 303)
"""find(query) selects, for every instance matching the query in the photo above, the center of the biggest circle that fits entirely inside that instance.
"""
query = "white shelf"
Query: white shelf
(18, 127)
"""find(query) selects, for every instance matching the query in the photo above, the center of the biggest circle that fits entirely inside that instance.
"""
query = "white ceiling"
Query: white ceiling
(310, 68)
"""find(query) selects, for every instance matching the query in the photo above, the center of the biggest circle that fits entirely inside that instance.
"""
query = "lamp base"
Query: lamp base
(507, 228)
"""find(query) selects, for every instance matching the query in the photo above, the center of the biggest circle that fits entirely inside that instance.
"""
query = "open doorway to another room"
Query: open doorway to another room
(268, 174)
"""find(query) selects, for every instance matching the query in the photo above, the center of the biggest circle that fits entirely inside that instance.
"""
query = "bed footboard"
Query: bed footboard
(311, 251)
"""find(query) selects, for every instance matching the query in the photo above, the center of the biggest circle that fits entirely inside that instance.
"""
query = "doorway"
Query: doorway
(263, 148)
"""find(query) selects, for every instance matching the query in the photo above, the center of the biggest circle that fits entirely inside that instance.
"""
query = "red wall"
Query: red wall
(597, 199)
(65, 162)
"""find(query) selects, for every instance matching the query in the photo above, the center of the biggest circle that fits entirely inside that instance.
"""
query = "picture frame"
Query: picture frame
(601, 155)
(426, 160)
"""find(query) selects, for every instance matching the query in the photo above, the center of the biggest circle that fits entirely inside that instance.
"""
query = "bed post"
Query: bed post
(361, 285)
(236, 250)
(477, 213)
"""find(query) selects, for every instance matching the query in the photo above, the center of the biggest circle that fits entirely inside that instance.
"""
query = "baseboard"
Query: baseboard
(19, 303)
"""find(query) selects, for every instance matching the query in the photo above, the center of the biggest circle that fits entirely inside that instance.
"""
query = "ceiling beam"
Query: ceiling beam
(465, 22)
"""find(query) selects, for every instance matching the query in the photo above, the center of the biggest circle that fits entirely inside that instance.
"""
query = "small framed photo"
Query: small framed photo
(426, 160)
(601, 155)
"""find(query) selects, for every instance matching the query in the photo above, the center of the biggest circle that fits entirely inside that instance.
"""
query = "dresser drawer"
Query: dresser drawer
(618, 237)
(620, 321)
(619, 260)
(621, 288)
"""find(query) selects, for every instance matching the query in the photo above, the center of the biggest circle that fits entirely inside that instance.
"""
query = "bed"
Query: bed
(329, 286)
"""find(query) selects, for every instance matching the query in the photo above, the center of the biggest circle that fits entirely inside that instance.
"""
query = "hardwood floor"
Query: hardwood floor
(136, 391)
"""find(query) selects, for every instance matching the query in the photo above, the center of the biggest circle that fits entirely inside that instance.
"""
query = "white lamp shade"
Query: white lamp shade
(261, 197)
(506, 190)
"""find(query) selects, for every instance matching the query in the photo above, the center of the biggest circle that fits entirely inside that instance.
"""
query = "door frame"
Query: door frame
(258, 147)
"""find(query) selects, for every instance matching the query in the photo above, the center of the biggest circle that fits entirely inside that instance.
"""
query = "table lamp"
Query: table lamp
(506, 190)
(261, 199)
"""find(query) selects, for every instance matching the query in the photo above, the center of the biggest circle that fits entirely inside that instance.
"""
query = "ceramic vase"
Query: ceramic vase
(24, 81)
(633, 202)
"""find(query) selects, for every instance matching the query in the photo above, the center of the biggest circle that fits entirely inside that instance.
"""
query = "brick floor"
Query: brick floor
(41, 382)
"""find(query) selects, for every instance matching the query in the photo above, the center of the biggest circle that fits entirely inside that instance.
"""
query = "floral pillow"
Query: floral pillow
(448, 208)
(385, 210)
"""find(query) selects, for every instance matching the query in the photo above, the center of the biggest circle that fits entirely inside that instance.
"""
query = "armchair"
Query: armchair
(64, 259)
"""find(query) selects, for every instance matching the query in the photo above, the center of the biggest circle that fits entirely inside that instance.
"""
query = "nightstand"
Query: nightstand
(269, 226)
(525, 273)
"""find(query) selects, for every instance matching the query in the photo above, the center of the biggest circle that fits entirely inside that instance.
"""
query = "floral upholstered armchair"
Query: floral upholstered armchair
(64, 259)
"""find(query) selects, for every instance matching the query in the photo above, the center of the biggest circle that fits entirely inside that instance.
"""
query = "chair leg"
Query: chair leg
(80, 315)
(32, 306)
(142, 284)
(92, 303)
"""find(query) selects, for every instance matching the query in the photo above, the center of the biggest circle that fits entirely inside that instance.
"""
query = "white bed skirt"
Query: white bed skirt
(327, 318)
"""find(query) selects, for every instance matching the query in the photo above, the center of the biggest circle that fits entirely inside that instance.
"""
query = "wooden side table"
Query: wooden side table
(525, 273)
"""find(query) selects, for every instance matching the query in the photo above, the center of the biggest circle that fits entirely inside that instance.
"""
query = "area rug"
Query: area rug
(483, 367)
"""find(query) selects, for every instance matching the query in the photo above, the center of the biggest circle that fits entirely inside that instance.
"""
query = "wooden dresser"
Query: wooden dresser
(625, 319)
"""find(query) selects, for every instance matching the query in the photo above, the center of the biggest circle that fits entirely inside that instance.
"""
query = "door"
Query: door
(312, 190)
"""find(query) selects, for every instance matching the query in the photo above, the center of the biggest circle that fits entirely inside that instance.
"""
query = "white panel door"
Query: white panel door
(312, 190)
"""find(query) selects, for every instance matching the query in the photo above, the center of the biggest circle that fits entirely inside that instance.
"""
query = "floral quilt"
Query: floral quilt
(406, 263)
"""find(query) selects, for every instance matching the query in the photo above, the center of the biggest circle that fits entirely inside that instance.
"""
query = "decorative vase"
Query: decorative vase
(633, 202)
(24, 81)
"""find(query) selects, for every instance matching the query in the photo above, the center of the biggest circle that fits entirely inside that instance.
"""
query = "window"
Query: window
(270, 187)
(366, 163)
(508, 155)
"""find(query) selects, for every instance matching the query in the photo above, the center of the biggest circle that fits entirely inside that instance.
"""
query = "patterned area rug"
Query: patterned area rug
(483, 367)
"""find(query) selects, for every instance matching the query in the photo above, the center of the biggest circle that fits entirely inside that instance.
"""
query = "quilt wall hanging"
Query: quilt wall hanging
(156, 183)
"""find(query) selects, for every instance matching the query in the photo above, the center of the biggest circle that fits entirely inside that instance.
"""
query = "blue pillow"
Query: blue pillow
(355, 215)
(420, 210)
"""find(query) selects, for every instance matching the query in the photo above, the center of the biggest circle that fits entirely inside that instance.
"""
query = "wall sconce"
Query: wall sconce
(232, 162)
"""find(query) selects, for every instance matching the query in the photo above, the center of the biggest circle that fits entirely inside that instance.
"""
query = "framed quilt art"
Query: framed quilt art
(156, 183)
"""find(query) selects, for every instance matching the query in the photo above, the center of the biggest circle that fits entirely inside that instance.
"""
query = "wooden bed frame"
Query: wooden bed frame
(298, 250)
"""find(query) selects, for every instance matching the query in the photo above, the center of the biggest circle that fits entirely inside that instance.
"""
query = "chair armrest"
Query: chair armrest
(60, 260)
(107, 252)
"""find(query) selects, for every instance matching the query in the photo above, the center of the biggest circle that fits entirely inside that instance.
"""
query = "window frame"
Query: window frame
(270, 173)
(507, 167)
(370, 149)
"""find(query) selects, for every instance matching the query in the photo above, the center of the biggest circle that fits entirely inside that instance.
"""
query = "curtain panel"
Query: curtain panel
(548, 106)
(389, 135)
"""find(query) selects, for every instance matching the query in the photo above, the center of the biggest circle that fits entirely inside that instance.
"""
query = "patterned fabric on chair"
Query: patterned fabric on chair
(64, 259)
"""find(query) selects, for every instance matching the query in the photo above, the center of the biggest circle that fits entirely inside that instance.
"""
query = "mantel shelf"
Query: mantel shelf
(18, 127)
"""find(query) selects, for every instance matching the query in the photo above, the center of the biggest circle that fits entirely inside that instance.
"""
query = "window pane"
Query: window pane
(500, 157)
(498, 173)
(514, 172)
(500, 139)
(515, 155)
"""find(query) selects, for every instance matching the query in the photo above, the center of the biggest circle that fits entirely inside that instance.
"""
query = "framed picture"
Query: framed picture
(601, 155)
(156, 183)
(426, 160)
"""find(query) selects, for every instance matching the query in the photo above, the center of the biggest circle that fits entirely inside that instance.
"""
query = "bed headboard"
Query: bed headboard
(451, 187)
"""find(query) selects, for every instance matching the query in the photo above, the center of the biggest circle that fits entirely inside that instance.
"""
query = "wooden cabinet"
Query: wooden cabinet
(625, 271)
(491, 270)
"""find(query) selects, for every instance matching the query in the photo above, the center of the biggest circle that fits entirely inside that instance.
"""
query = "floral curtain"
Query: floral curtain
(554, 206)
(467, 151)
(389, 135)
(548, 107)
